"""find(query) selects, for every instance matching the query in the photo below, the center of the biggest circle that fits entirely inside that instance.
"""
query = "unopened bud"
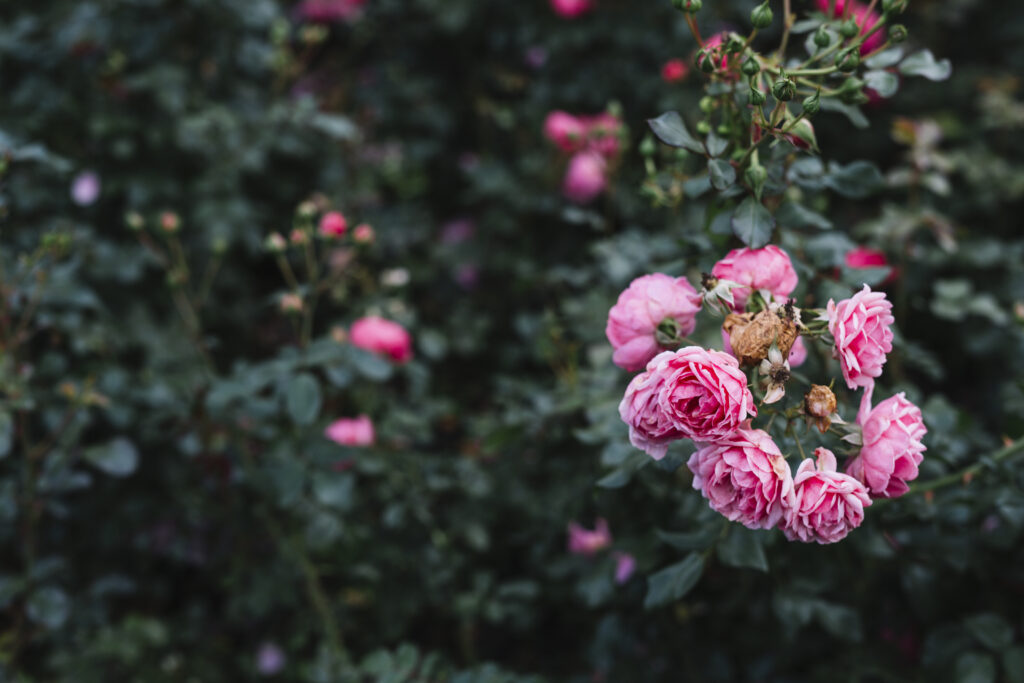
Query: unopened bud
(897, 33)
(689, 6)
(757, 98)
(724, 130)
(812, 103)
(647, 146)
(734, 44)
(705, 61)
(134, 221)
(291, 303)
(363, 234)
(275, 243)
(750, 66)
(848, 60)
(820, 404)
(848, 29)
(703, 127)
(783, 89)
(299, 237)
(821, 37)
(169, 222)
(761, 16)
(707, 104)
(894, 6)
(755, 176)
(306, 209)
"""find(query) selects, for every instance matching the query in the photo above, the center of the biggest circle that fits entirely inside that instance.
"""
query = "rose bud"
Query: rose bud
(820, 404)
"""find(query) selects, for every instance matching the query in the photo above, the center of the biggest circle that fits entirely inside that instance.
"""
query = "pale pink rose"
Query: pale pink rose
(892, 449)
(861, 326)
(326, 11)
(333, 224)
(703, 393)
(382, 336)
(351, 431)
(625, 565)
(825, 504)
(766, 269)
(570, 9)
(744, 477)
(797, 354)
(589, 541)
(568, 132)
(603, 132)
(650, 429)
(859, 13)
(585, 177)
(634, 319)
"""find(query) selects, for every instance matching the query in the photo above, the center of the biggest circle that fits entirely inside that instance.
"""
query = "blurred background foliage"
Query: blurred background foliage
(169, 508)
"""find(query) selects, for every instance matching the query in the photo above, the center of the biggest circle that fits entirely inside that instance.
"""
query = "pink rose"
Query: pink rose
(650, 429)
(382, 336)
(766, 269)
(333, 224)
(797, 354)
(568, 132)
(703, 394)
(571, 9)
(865, 21)
(603, 134)
(588, 542)
(585, 177)
(861, 327)
(351, 431)
(744, 477)
(825, 504)
(866, 257)
(892, 448)
(634, 319)
(625, 565)
(674, 70)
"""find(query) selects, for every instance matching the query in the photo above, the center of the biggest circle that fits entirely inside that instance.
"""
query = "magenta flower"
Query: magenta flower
(650, 428)
(861, 328)
(351, 431)
(625, 565)
(703, 393)
(892, 447)
(768, 269)
(641, 307)
(866, 21)
(566, 131)
(333, 224)
(382, 336)
(744, 477)
(85, 188)
(588, 542)
(585, 178)
(327, 11)
(825, 505)
(570, 9)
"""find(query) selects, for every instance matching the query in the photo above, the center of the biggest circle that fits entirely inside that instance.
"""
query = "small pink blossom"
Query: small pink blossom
(866, 21)
(382, 336)
(866, 257)
(333, 224)
(674, 70)
(85, 188)
(570, 9)
(625, 565)
(270, 659)
(585, 178)
(797, 354)
(363, 234)
(825, 505)
(861, 327)
(589, 542)
(603, 132)
(634, 319)
(650, 428)
(768, 269)
(351, 431)
(703, 393)
(327, 11)
(568, 132)
(892, 447)
(744, 477)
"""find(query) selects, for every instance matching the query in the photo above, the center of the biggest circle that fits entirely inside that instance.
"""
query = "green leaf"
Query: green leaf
(695, 187)
(923, 64)
(118, 458)
(672, 583)
(48, 606)
(975, 667)
(6, 434)
(850, 111)
(742, 548)
(991, 630)
(334, 489)
(1013, 664)
(624, 472)
(716, 145)
(884, 59)
(753, 223)
(303, 399)
(670, 129)
(688, 540)
(885, 83)
(794, 215)
(373, 367)
(855, 180)
(722, 174)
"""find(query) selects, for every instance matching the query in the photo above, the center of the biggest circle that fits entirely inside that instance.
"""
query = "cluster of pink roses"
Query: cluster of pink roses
(702, 394)
(593, 142)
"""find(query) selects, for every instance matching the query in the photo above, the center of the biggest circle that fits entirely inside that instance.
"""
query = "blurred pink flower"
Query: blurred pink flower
(568, 132)
(326, 11)
(351, 431)
(333, 224)
(571, 9)
(674, 70)
(588, 542)
(825, 505)
(859, 13)
(269, 659)
(633, 320)
(585, 177)
(625, 565)
(458, 230)
(892, 447)
(861, 327)
(85, 188)
(797, 354)
(363, 234)
(376, 334)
